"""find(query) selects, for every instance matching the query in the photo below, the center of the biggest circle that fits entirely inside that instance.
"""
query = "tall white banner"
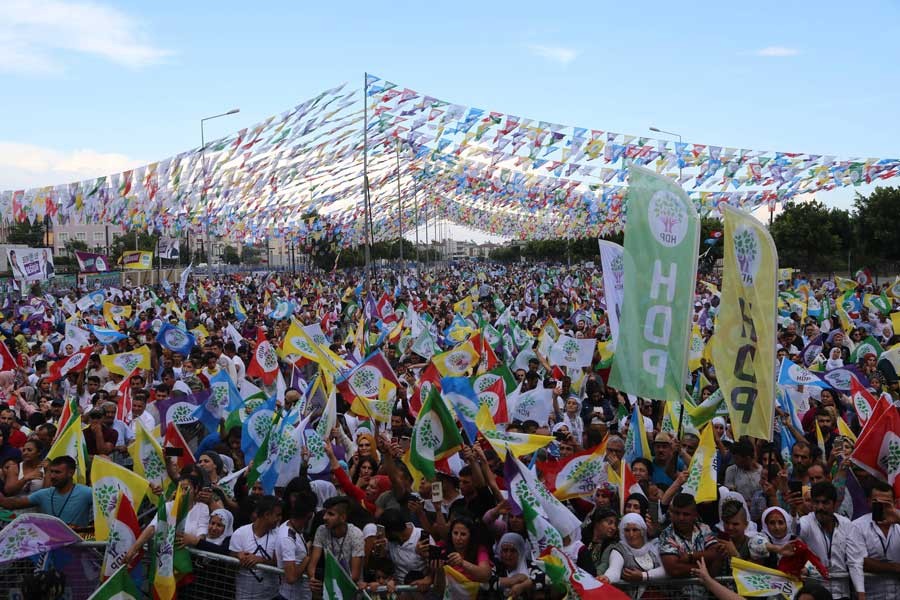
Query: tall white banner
(613, 284)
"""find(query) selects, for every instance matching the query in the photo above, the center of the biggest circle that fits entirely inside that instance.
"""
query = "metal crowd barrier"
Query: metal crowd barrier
(214, 576)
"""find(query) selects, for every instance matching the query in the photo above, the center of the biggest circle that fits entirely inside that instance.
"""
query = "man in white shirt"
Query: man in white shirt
(240, 370)
(402, 538)
(292, 552)
(139, 410)
(826, 534)
(255, 544)
(874, 549)
(344, 540)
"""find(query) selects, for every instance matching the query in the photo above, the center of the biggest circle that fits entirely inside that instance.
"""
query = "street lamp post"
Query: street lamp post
(678, 135)
(233, 111)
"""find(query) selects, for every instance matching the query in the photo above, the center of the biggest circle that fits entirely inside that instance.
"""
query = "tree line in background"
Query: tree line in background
(809, 236)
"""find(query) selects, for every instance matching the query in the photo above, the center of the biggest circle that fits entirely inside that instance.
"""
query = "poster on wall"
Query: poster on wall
(168, 248)
(31, 264)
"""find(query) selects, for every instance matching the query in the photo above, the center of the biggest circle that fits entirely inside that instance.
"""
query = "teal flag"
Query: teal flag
(662, 233)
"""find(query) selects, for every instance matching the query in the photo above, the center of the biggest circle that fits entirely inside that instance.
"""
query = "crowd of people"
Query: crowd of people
(393, 530)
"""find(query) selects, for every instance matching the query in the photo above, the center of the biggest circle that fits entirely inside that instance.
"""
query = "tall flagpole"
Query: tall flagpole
(368, 215)
(399, 203)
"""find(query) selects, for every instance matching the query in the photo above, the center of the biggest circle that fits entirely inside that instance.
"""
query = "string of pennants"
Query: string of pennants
(299, 175)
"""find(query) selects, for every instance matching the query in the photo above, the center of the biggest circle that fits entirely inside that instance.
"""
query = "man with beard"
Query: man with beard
(826, 534)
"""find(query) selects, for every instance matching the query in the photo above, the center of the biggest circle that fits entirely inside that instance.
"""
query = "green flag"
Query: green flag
(660, 255)
(866, 346)
(434, 435)
(119, 586)
(338, 584)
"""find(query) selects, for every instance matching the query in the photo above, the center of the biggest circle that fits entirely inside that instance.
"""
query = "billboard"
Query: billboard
(31, 264)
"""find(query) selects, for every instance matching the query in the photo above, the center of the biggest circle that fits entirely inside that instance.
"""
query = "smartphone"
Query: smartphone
(437, 492)
(795, 487)
(774, 470)
(723, 536)
(379, 531)
(877, 512)
(170, 451)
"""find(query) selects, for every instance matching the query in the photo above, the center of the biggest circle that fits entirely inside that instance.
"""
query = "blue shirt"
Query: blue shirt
(75, 508)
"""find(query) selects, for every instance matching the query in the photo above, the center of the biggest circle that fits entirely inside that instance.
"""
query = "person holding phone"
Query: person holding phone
(874, 547)
(400, 539)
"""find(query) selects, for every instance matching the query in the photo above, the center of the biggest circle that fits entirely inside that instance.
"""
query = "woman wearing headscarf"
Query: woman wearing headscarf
(513, 572)
(221, 526)
(775, 538)
(212, 469)
(635, 558)
(375, 486)
(323, 491)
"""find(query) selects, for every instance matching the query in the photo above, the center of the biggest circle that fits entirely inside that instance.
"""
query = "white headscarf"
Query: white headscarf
(726, 494)
(227, 520)
(787, 519)
(638, 521)
(516, 540)
(834, 362)
(323, 491)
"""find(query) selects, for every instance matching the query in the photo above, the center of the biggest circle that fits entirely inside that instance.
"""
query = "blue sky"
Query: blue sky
(93, 88)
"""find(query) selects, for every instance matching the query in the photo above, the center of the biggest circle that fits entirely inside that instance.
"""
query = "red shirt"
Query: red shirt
(17, 439)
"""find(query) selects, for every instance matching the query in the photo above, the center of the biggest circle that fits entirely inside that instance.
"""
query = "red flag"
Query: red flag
(429, 378)
(498, 390)
(489, 358)
(385, 309)
(174, 439)
(264, 363)
(127, 530)
(123, 409)
(7, 362)
(861, 399)
(64, 366)
(796, 563)
(878, 447)
(629, 485)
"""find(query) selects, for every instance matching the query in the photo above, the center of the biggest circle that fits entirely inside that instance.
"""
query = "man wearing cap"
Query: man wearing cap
(666, 462)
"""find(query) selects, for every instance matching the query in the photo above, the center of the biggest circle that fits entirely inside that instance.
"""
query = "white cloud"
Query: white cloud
(26, 165)
(35, 35)
(557, 54)
(776, 51)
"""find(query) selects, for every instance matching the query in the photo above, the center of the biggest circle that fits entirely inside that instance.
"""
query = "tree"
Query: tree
(875, 226)
(131, 240)
(73, 246)
(811, 237)
(31, 235)
(230, 256)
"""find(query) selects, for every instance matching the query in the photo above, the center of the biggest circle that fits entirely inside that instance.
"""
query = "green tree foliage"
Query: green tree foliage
(33, 236)
(230, 256)
(811, 237)
(875, 227)
(126, 241)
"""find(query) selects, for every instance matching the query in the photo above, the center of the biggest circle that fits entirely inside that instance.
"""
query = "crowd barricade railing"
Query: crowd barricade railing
(214, 577)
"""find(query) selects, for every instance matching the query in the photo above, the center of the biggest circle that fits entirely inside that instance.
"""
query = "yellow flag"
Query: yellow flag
(895, 322)
(70, 442)
(701, 481)
(107, 480)
(744, 352)
(845, 430)
(464, 307)
(379, 408)
(696, 348)
(844, 284)
(519, 444)
(126, 362)
(113, 313)
(175, 309)
(455, 362)
(200, 332)
(148, 457)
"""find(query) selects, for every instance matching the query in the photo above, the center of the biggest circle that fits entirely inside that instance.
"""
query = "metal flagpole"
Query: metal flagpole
(368, 215)
(416, 208)
(399, 203)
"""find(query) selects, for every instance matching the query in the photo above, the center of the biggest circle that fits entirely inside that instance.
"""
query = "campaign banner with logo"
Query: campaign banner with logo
(90, 262)
(137, 259)
(613, 283)
(662, 235)
(168, 248)
(744, 350)
(30, 264)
